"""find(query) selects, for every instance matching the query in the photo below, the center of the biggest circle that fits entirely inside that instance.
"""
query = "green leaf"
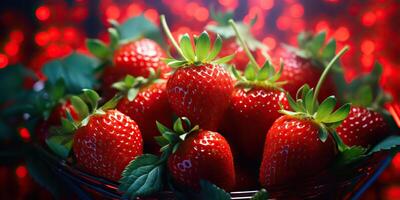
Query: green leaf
(316, 43)
(330, 50)
(129, 80)
(98, 48)
(60, 145)
(264, 72)
(350, 155)
(391, 143)
(162, 141)
(187, 48)
(112, 103)
(323, 134)
(92, 97)
(292, 103)
(142, 28)
(178, 127)
(339, 115)
(224, 60)
(161, 128)
(142, 177)
(325, 108)
(202, 46)
(302, 91)
(309, 104)
(363, 96)
(177, 63)
(261, 195)
(67, 125)
(236, 73)
(132, 93)
(114, 38)
(216, 49)
(80, 106)
(211, 191)
(250, 72)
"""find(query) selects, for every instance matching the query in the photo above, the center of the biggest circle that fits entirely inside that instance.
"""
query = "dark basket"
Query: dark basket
(341, 184)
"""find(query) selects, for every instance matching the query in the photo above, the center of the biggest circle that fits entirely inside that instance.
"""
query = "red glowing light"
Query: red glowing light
(296, 10)
(367, 47)
(266, 4)
(112, 12)
(70, 34)
(21, 171)
(228, 3)
(190, 7)
(53, 33)
(152, 15)
(342, 34)
(11, 48)
(322, 26)
(201, 14)
(41, 38)
(24, 133)
(332, 1)
(134, 10)
(367, 61)
(17, 36)
(3, 61)
(270, 42)
(283, 23)
(42, 13)
(369, 19)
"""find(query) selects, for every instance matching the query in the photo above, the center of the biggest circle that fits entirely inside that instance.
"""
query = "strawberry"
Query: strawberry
(302, 142)
(200, 88)
(135, 58)
(145, 101)
(104, 142)
(191, 156)
(255, 103)
(60, 111)
(232, 44)
(367, 122)
(203, 155)
(304, 65)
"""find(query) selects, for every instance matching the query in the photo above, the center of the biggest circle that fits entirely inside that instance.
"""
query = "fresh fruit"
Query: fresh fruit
(135, 58)
(203, 155)
(255, 103)
(191, 156)
(304, 65)
(367, 123)
(145, 101)
(231, 43)
(302, 142)
(104, 142)
(200, 88)
(60, 111)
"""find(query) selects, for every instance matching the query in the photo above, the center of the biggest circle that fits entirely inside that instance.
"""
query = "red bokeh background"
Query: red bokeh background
(34, 32)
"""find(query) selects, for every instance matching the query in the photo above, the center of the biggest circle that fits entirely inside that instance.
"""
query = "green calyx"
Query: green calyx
(101, 50)
(198, 54)
(171, 139)
(223, 28)
(313, 47)
(253, 76)
(130, 86)
(306, 106)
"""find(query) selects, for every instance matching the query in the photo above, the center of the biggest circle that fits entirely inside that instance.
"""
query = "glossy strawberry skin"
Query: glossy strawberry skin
(298, 71)
(201, 93)
(150, 105)
(363, 127)
(251, 115)
(134, 58)
(293, 151)
(107, 144)
(204, 155)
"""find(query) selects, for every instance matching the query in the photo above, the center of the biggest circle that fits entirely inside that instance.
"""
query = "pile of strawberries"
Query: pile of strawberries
(196, 120)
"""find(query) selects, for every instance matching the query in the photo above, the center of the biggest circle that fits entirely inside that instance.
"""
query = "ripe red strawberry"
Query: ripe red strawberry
(200, 88)
(363, 127)
(366, 124)
(148, 106)
(107, 144)
(255, 103)
(203, 155)
(60, 112)
(192, 157)
(104, 142)
(302, 142)
(231, 44)
(305, 65)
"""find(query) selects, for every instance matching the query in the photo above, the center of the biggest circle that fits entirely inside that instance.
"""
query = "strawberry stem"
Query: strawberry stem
(325, 72)
(169, 35)
(243, 44)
